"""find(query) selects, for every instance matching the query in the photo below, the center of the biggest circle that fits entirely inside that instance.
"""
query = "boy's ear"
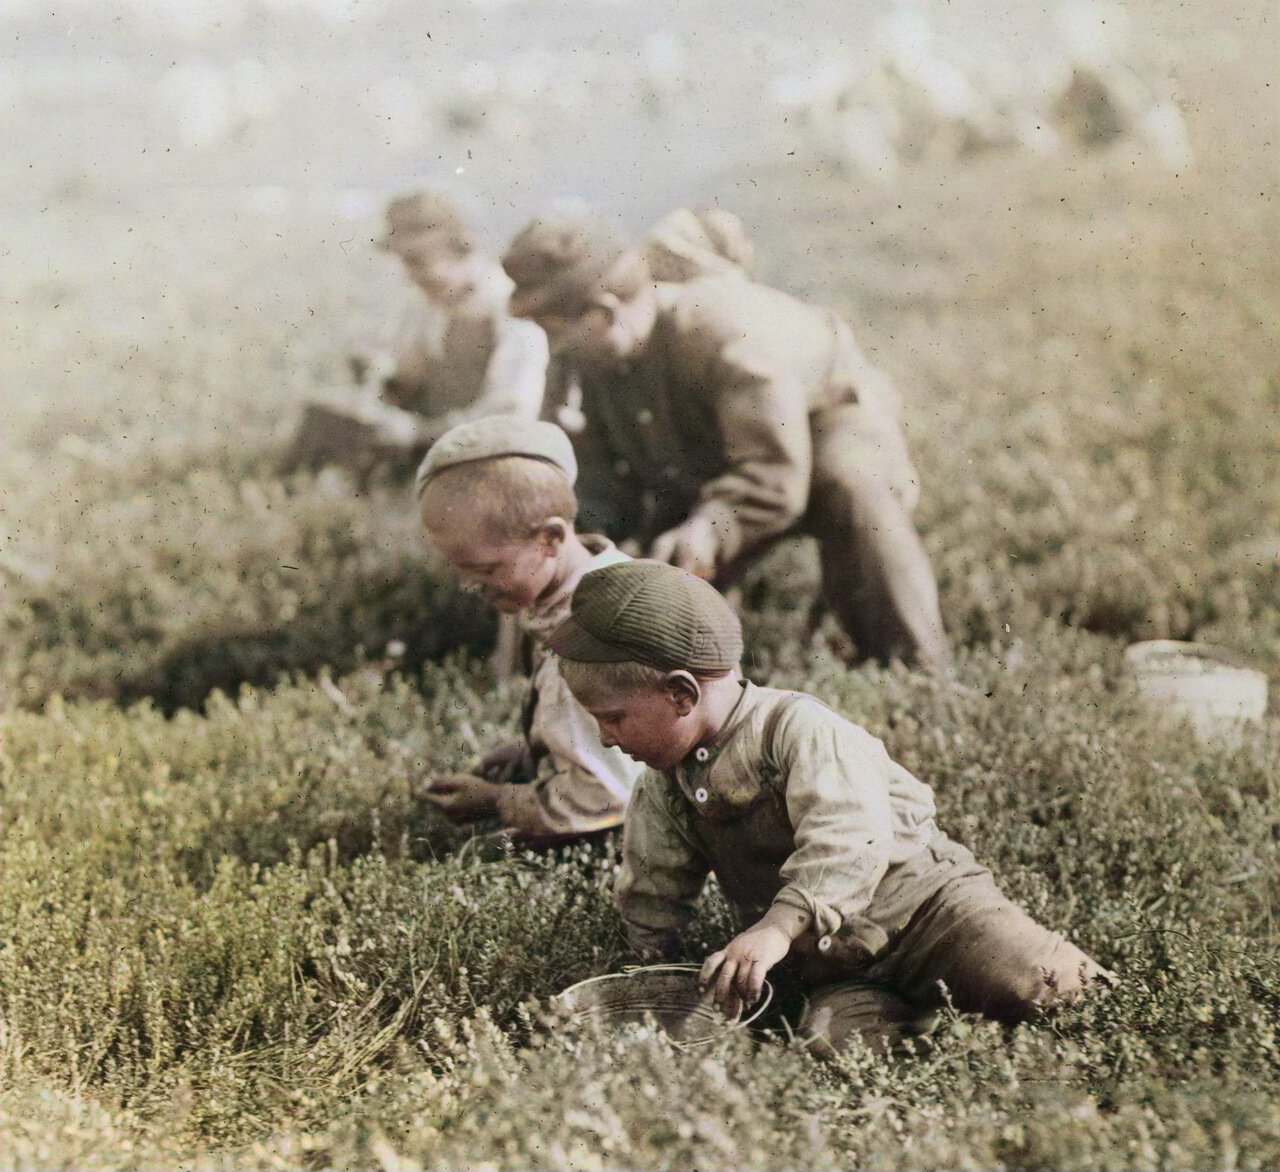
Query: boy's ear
(684, 690)
(552, 534)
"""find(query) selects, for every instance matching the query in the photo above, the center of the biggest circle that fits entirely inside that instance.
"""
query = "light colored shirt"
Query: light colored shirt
(792, 804)
(452, 368)
(578, 785)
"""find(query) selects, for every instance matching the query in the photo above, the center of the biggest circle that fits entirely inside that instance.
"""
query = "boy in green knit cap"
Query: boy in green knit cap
(825, 847)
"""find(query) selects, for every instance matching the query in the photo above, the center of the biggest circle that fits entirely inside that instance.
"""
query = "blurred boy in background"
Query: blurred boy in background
(470, 358)
(720, 415)
(457, 354)
(496, 500)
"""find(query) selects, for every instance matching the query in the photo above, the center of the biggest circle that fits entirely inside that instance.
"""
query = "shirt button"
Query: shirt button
(622, 468)
(701, 753)
(700, 794)
(644, 416)
(824, 944)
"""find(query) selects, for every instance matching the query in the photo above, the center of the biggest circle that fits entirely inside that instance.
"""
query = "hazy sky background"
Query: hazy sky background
(635, 106)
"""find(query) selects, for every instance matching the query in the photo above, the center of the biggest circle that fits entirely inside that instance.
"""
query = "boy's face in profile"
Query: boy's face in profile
(512, 575)
(607, 332)
(650, 725)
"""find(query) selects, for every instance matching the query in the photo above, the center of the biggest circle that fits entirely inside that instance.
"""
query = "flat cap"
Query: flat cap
(651, 613)
(558, 263)
(494, 436)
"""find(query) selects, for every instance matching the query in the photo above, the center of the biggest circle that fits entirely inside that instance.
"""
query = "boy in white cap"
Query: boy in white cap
(496, 500)
(825, 847)
(456, 355)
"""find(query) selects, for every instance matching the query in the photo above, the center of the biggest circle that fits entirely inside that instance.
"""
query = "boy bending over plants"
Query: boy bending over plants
(496, 499)
(822, 844)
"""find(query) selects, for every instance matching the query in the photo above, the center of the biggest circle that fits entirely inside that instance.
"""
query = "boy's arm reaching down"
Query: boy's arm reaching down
(847, 832)
(739, 969)
(838, 779)
(580, 785)
(663, 873)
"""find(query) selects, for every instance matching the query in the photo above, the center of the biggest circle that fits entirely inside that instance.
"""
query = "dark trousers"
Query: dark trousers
(876, 575)
(967, 936)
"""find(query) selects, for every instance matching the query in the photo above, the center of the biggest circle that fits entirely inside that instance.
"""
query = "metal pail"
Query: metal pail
(667, 993)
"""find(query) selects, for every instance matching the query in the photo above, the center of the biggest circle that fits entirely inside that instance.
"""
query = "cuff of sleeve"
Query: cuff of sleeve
(537, 810)
(826, 919)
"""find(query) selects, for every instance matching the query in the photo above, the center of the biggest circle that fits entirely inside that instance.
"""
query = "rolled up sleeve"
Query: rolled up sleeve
(838, 803)
(580, 785)
(663, 872)
(764, 425)
(564, 803)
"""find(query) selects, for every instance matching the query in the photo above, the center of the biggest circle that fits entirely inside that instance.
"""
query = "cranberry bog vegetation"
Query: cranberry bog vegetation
(231, 933)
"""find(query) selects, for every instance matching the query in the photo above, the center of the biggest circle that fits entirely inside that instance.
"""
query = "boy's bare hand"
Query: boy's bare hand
(463, 796)
(692, 546)
(739, 969)
(498, 764)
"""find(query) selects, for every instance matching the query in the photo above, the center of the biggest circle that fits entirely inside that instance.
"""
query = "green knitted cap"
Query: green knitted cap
(652, 613)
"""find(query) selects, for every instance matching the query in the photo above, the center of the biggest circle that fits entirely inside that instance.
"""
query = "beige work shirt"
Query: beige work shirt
(792, 804)
(454, 368)
(713, 416)
(578, 785)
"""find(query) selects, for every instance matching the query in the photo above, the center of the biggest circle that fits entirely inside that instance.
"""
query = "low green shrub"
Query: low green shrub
(310, 762)
(207, 580)
(175, 959)
(241, 939)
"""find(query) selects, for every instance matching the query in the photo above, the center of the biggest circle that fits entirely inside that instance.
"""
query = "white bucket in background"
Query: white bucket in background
(1194, 680)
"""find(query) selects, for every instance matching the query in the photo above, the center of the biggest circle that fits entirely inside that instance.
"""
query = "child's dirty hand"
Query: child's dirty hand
(739, 969)
(463, 796)
(692, 546)
(502, 763)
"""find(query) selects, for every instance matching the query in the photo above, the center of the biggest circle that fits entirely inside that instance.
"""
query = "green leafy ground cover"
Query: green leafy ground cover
(231, 933)
(185, 977)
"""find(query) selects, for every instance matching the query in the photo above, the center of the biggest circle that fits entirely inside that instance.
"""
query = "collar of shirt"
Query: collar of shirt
(547, 613)
(704, 756)
(719, 793)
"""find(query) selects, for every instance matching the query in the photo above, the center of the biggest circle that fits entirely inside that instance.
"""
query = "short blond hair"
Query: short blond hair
(424, 217)
(592, 682)
(599, 681)
(508, 497)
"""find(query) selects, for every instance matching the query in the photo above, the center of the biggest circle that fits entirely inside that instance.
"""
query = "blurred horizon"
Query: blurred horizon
(289, 106)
